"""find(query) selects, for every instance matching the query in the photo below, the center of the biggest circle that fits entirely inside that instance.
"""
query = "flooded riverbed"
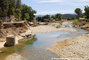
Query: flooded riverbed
(37, 51)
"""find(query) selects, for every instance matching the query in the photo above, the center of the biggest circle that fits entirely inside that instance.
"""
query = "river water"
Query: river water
(38, 50)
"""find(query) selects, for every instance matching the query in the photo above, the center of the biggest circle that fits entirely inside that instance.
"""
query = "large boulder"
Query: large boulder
(10, 41)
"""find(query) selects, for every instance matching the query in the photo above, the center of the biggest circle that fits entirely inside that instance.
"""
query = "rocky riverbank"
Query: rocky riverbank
(85, 26)
(49, 28)
(41, 29)
(37, 29)
(15, 56)
(75, 49)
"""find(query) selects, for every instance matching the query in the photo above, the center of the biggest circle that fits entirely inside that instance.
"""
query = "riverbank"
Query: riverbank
(17, 38)
(38, 29)
(49, 28)
(15, 56)
(16, 49)
(76, 48)
(42, 29)
(82, 25)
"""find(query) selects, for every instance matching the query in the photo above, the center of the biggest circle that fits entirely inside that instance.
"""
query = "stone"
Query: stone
(1, 51)
(10, 41)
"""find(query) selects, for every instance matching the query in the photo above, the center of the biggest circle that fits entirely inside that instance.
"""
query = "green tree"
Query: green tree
(87, 12)
(53, 17)
(18, 9)
(29, 10)
(47, 16)
(58, 16)
(18, 4)
(32, 12)
(18, 13)
(11, 6)
(3, 8)
(26, 17)
(39, 19)
(78, 11)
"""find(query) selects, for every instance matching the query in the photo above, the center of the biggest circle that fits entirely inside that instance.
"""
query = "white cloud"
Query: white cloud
(85, 0)
(50, 1)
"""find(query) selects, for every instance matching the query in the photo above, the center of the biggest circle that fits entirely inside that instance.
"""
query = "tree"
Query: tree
(78, 11)
(26, 17)
(39, 19)
(18, 9)
(58, 16)
(53, 17)
(9, 8)
(18, 13)
(32, 14)
(47, 16)
(87, 12)
(18, 4)
(27, 9)
(3, 8)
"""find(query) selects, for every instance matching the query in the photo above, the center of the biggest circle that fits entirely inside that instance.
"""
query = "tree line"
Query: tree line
(79, 12)
(48, 17)
(59, 17)
(15, 8)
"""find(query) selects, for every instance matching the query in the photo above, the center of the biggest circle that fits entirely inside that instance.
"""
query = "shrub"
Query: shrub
(80, 23)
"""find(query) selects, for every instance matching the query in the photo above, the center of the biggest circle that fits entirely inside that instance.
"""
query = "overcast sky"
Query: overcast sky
(55, 6)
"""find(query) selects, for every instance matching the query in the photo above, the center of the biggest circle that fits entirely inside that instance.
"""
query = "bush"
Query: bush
(80, 23)
(76, 22)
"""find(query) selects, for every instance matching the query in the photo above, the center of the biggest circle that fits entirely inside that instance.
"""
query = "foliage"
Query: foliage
(15, 8)
(26, 16)
(78, 11)
(76, 22)
(4, 8)
(40, 19)
(58, 16)
(47, 17)
(18, 4)
(53, 17)
(80, 23)
(87, 12)
(27, 13)
(18, 13)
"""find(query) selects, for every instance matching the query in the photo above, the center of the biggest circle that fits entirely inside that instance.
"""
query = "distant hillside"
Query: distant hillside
(69, 16)
(63, 15)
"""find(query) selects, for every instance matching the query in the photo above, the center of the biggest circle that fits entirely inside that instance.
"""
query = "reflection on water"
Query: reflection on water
(38, 51)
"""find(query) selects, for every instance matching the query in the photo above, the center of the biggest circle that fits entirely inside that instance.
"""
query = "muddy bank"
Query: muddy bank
(75, 48)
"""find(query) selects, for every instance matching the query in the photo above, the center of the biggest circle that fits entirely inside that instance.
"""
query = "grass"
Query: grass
(22, 43)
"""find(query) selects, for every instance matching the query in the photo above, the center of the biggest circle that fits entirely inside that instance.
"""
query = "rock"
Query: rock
(1, 51)
(29, 35)
(10, 41)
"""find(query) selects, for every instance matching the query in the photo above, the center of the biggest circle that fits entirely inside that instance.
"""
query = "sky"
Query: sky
(44, 7)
